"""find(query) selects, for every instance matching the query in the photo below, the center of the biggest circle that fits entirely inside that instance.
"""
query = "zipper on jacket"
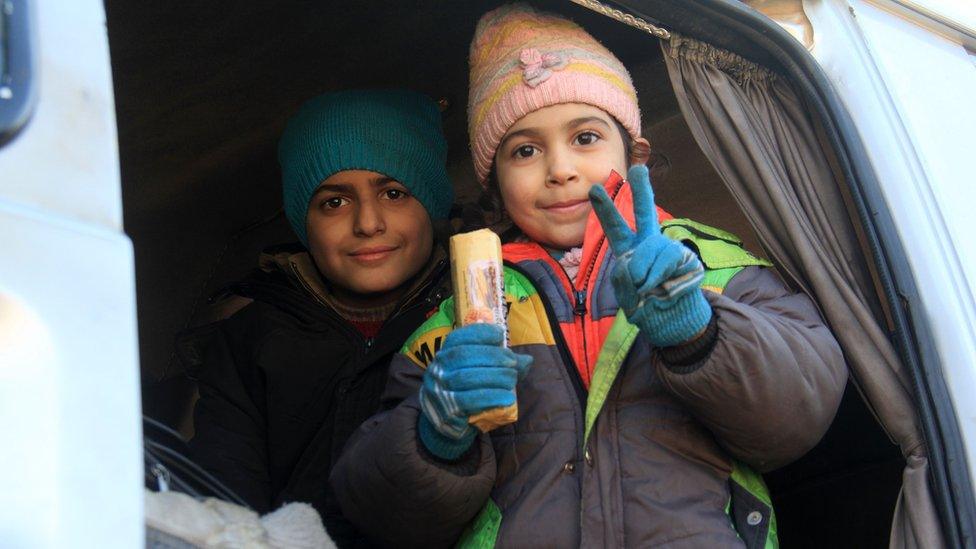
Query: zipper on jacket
(580, 295)
(411, 301)
(580, 308)
(568, 361)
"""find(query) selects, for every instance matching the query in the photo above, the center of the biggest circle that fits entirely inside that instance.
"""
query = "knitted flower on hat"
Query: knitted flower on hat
(523, 60)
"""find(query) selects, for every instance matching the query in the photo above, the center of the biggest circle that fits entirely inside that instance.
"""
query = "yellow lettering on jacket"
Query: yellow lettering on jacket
(424, 348)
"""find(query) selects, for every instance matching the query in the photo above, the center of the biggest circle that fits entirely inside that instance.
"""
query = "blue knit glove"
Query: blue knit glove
(471, 373)
(656, 279)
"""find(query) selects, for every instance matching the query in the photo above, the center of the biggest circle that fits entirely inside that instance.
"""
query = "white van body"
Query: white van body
(69, 370)
(69, 366)
(906, 72)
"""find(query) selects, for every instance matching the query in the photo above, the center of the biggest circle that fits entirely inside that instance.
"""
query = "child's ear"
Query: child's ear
(640, 151)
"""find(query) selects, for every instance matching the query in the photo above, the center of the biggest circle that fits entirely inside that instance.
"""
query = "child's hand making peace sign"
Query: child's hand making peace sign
(656, 279)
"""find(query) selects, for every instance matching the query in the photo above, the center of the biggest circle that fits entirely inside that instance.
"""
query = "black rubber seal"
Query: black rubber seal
(17, 68)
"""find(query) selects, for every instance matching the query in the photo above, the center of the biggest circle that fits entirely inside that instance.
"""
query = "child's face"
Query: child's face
(366, 233)
(546, 164)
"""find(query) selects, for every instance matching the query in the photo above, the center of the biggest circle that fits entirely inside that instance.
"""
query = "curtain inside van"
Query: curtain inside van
(756, 132)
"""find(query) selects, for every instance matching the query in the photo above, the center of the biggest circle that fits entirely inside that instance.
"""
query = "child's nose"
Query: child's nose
(562, 168)
(369, 219)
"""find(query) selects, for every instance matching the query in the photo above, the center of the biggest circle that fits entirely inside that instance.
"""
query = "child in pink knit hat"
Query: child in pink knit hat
(658, 367)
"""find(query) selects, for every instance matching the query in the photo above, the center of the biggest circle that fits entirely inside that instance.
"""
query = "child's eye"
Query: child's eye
(394, 194)
(333, 203)
(525, 151)
(587, 138)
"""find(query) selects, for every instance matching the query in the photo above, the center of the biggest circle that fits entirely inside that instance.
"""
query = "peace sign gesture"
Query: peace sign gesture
(622, 239)
(656, 279)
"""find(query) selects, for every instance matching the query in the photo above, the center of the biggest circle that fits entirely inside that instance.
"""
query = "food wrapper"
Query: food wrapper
(479, 296)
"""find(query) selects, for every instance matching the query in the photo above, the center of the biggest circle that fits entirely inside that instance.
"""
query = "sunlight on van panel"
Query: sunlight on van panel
(28, 417)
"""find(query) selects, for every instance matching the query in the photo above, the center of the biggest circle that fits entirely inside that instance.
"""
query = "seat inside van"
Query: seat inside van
(202, 95)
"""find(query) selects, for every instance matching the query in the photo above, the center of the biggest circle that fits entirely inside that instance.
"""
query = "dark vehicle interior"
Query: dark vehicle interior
(203, 92)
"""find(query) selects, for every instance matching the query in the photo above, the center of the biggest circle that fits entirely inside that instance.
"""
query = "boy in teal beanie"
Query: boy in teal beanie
(288, 377)
(385, 145)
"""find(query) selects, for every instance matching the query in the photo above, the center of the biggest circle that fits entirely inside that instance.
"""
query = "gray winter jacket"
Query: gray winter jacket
(659, 451)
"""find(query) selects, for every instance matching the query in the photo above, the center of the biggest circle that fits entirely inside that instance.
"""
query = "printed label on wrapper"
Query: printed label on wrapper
(479, 296)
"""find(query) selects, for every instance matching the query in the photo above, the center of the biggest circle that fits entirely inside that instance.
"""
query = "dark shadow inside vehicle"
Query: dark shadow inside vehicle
(202, 93)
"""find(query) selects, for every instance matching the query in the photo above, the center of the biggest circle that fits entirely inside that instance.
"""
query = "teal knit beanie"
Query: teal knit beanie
(393, 132)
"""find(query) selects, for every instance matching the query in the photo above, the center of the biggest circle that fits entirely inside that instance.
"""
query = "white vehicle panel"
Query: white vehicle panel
(69, 367)
(69, 386)
(909, 90)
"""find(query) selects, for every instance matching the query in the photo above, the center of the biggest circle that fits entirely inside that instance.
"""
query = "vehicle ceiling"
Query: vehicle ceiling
(203, 90)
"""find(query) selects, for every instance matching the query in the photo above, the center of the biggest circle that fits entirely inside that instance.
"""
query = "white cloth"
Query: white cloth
(219, 524)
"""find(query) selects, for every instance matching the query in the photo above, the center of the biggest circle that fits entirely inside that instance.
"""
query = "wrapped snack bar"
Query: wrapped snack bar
(476, 271)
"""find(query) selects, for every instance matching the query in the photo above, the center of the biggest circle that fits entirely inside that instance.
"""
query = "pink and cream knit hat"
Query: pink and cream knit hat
(523, 60)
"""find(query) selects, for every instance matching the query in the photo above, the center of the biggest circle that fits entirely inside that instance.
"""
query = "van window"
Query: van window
(201, 103)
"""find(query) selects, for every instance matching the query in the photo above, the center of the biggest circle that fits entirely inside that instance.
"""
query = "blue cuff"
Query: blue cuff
(441, 446)
(686, 319)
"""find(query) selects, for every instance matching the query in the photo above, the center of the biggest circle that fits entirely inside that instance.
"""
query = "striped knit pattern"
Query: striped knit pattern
(361, 314)
(523, 60)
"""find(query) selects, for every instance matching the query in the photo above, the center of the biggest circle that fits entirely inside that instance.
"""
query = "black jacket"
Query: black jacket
(285, 381)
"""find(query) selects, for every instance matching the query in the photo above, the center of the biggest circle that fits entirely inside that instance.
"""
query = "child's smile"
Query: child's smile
(568, 208)
(546, 164)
